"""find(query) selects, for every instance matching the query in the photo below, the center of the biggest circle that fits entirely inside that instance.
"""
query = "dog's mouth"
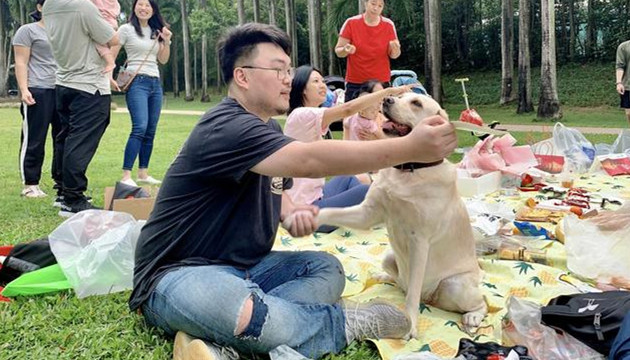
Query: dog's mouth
(393, 128)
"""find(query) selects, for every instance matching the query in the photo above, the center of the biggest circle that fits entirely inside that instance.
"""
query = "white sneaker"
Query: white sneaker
(149, 180)
(374, 320)
(188, 348)
(128, 182)
(33, 191)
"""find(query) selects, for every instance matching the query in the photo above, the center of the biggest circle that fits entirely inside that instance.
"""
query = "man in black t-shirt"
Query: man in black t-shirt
(204, 266)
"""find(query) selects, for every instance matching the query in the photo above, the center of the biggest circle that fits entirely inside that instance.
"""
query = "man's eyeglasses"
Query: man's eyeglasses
(281, 73)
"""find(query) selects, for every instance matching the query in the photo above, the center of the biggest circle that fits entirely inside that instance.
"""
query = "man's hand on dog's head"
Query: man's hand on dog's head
(433, 139)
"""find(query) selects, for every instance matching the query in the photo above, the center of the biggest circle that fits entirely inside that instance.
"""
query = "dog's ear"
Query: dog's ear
(443, 113)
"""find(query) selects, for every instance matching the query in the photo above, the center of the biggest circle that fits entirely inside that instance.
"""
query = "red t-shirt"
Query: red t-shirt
(371, 60)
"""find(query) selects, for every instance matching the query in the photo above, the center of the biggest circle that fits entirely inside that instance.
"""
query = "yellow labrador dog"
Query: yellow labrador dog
(433, 257)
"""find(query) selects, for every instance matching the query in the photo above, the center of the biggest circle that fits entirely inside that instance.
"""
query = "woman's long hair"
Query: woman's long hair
(156, 22)
(300, 80)
(37, 15)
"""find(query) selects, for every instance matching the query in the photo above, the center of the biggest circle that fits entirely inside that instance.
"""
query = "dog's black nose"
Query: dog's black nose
(388, 100)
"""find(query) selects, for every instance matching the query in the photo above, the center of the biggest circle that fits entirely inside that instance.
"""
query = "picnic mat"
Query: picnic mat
(439, 331)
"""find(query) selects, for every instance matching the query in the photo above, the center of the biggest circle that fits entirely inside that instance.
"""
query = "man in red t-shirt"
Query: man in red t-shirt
(369, 40)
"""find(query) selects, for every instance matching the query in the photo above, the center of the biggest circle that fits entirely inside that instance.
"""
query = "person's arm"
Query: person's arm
(620, 65)
(344, 47)
(619, 77)
(165, 46)
(394, 49)
(432, 139)
(114, 41)
(352, 107)
(22, 56)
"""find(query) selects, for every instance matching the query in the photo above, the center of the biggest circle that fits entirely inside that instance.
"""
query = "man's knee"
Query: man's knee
(251, 317)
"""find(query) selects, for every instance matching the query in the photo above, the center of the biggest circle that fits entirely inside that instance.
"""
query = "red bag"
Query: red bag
(549, 159)
(616, 165)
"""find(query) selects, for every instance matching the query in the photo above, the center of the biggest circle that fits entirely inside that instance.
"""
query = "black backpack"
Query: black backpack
(26, 257)
(593, 318)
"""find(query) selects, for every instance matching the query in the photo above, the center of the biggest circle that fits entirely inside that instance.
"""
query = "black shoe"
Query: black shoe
(59, 200)
(82, 204)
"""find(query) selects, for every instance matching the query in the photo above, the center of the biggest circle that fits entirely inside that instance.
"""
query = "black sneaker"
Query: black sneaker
(59, 200)
(67, 210)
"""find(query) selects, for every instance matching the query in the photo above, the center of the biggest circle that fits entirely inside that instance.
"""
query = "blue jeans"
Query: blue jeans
(294, 295)
(341, 191)
(144, 101)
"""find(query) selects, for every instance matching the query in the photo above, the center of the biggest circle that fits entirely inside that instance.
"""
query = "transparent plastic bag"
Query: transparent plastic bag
(599, 248)
(577, 150)
(622, 143)
(95, 249)
(522, 326)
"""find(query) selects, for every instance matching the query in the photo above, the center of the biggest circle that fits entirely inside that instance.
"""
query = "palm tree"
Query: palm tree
(548, 104)
(524, 62)
(507, 57)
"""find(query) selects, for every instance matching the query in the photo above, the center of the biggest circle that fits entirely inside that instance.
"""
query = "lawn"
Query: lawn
(60, 326)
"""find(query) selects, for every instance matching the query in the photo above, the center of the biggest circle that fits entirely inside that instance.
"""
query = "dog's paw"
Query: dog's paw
(473, 319)
(412, 334)
(383, 277)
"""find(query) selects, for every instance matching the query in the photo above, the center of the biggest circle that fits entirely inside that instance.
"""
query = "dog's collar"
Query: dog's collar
(411, 166)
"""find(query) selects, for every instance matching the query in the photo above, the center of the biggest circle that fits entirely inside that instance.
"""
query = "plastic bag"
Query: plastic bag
(522, 325)
(577, 150)
(622, 143)
(599, 248)
(95, 249)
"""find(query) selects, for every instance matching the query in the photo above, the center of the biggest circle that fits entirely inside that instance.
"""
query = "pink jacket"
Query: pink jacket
(110, 9)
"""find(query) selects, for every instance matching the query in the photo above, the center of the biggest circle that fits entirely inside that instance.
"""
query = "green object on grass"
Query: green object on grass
(45, 280)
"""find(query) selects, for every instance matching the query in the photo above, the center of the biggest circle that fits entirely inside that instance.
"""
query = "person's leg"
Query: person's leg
(138, 104)
(89, 117)
(207, 302)
(34, 130)
(55, 124)
(63, 97)
(628, 116)
(154, 108)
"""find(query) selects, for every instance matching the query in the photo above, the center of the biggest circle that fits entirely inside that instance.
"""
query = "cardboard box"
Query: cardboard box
(139, 208)
(485, 184)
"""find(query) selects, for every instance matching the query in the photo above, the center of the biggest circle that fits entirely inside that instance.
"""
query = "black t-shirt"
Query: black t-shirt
(210, 208)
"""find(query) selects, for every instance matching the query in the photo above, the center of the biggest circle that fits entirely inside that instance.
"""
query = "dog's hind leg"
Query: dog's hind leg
(461, 293)
(391, 269)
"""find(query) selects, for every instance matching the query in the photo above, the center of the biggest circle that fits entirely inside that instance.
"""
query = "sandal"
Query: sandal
(33, 191)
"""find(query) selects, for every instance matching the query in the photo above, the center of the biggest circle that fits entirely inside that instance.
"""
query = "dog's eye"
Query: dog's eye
(417, 103)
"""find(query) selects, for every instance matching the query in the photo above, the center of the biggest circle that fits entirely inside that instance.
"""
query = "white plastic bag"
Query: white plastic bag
(599, 248)
(95, 249)
(522, 326)
(577, 150)
(622, 143)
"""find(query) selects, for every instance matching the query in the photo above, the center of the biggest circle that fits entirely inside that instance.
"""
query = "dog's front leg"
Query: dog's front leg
(417, 257)
(360, 216)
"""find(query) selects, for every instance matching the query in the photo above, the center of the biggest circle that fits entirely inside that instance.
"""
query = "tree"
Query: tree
(256, 6)
(314, 33)
(590, 42)
(289, 10)
(272, 12)
(507, 57)
(205, 97)
(433, 54)
(186, 41)
(330, 41)
(548, 104)
(5, 46)
(524, 63)
(240, 7)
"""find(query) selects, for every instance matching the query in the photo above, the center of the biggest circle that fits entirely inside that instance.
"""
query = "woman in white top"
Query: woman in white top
(35, 68)
(145, 33)
(308, 122)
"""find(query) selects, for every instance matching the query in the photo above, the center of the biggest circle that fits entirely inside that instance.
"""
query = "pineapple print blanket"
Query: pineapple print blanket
(439, 331)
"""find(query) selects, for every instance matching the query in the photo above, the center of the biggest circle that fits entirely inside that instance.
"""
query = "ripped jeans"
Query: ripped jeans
(295, 303)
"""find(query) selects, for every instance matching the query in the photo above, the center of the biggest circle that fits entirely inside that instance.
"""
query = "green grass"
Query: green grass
(60, 326)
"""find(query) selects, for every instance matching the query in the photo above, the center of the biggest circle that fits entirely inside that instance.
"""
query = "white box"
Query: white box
(485, 184)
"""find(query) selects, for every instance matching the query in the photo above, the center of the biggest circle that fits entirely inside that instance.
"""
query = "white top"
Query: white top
(305, 124)
(137, 48)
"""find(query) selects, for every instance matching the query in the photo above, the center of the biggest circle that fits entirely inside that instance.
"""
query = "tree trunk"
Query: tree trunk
(507, 55)
(205, 97)
(572, 26)
(219, 74)
(289, 10)
(194, 71)
(433, 34)
(22, 12)
(524, 63)
(332, 58)
(5, 53)
(590, 43)
(548, 104)
(361, 7)
(256, 5)
(563, 43)
(240, 6)
(186, 38)
(272, 12)
(314, 33)
(175, 62)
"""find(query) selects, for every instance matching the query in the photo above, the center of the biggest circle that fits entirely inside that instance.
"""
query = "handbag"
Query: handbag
(125, 77)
